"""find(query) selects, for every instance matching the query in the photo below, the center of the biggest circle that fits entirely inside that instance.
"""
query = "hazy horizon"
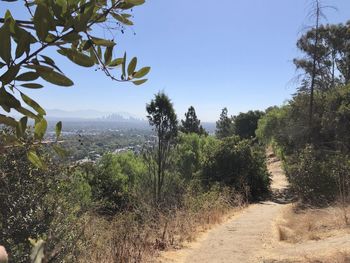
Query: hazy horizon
(239, 57)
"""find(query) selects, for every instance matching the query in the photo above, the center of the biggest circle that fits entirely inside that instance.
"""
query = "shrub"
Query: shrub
(113, 180)
(237, 164)
(36, 203)
(310, 175)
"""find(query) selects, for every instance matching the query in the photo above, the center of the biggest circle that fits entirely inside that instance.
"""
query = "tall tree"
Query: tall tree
(224, 125)
(245, 124)
(191, 124)
(69, 27)
(162, 118)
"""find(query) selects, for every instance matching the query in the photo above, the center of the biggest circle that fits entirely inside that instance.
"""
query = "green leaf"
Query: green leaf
(8, 100)
(32, 85)
(77, 57)
(8, 121)
(9, 75)
(60, 151)
(48, 60)
(58, 129)
(23, 39)
(21, 127)
(27, 113)
(41, 21)
(142, 72)
(40, 128)
(35, 160)
(33, 104)
(139, 82)
(5, 43)
(56, 78)
(116, 62)
(71, 37)
(103, 42)
(28, 76)
(124, 65)
(108, 55)
(122, 19)
(135, 2)
(132, 66)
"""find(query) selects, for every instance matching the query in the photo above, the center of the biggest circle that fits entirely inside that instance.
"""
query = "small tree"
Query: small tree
(191, 124)
(224, 125)
(245, 124)
(162, 118)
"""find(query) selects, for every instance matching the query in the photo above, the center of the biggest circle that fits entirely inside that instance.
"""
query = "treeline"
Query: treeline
(126, 206)
(315, 148)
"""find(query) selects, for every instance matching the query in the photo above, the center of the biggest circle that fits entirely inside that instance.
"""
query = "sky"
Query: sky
(208, 54)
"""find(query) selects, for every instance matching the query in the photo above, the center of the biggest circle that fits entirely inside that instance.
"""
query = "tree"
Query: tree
(162, 117)
(245, 124)
(224, 125)
(191, 124)
(70, 28)
(333, 52)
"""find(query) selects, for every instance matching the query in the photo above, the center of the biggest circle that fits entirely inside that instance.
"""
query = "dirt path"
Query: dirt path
(252, 235)
(242, 238)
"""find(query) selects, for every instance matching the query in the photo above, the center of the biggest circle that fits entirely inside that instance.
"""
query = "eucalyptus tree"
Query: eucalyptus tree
(162, 117)
(71, 28)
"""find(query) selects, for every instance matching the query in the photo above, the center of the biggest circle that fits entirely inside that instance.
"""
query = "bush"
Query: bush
(239, 165)
(191, 152)
(311, 178)
(113, 180)
(36, 203)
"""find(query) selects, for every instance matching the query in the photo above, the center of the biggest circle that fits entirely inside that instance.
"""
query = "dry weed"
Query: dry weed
(138, 236)
(298, 225)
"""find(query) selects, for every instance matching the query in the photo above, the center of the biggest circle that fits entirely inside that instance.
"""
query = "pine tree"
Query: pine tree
(224, 125)
(191, 124)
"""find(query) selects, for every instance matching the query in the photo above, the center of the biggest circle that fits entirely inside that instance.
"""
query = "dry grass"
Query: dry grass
(138, 236)
(339, 257)
(298, 225)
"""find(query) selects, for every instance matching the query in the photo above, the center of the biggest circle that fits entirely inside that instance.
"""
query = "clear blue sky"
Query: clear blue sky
(209, 54)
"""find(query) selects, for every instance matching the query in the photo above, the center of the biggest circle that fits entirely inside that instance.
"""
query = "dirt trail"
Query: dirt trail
(243, 237)
(252, 235)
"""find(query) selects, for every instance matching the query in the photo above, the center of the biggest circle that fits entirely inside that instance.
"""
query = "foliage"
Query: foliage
(162, 118)
(192, 152)
(236, 163)
(191, 124)
(333, 64)
(224, 125)
(37, 203)
(70, 28)
(310, 176)
(245, 124)
(113, 179)
(310, 161)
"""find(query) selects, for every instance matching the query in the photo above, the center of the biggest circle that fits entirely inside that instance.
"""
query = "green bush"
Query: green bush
(36, 203)
(238, 164)
(191, 152)
(311, 177)
(113, 180)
